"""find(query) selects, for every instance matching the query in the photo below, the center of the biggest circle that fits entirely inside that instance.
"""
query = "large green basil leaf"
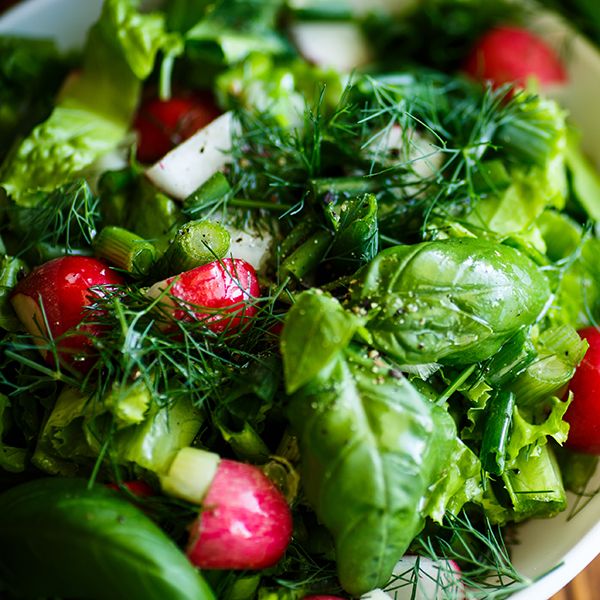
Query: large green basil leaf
(453, 301)
(316, 329)
(59, 538)
(371, 447)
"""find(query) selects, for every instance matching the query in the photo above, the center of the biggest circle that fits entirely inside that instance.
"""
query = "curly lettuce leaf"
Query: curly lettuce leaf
(279, 89)
(96, 105)
(230, 30)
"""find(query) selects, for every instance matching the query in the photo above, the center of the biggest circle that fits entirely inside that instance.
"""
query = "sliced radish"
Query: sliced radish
(244, 523)
(52, 301)
(189, 165)
(421, 578)
(137, 487)
(219, 293)
(252, 246)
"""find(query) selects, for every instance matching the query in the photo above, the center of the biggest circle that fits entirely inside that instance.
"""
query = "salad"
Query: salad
(298, 301)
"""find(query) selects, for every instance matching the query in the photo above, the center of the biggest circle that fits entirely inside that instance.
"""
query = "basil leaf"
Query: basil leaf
(453, 301)
(59, 538)
(316, 329)
(371, 447)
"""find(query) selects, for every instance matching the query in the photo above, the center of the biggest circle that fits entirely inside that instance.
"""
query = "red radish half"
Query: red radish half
(244, 522)
(219, 293)
(163, 124)
(60, 290)
(583, 415)
(514, 55)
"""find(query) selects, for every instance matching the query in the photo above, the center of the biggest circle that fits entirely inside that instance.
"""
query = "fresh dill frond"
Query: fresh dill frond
(63, 221)
(480, 550)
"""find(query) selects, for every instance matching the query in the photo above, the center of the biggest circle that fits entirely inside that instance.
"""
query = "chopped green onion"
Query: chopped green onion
(195, 244)
(211, 191)
(125, 250)
(306, 257)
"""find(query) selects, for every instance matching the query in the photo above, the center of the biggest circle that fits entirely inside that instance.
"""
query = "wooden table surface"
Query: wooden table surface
(585, 586)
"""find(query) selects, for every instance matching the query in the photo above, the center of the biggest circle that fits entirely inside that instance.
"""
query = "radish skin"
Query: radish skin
(514, 55)
(57, 293)
(245, 522)
(225, 290)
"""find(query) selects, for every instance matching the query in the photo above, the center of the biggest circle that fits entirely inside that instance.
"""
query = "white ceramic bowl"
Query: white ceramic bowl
(549, 551)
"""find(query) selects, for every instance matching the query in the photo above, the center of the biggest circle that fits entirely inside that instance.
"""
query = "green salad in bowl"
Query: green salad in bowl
(298, 300)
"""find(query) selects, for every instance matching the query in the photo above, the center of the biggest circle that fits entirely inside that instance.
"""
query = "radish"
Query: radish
(514, 55)
(583, 415)
(51, 301)
(162, 124)
(222, 289)
(421, 578)
(189, 165)
(244, 523)
(137, 487)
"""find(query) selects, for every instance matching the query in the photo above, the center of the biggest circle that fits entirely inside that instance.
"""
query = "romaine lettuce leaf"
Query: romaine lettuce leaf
(96, 105)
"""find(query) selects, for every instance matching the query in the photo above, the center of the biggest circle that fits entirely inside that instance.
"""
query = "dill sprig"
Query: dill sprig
(480, 550)
(185, 360)
(63, 221)
(415, 140)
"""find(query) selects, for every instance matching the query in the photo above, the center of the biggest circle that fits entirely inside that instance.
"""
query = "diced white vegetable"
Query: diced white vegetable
(190, 474)
(341, 46)
(423, 580)
(251, 246)
(376, 594)
(191, 163)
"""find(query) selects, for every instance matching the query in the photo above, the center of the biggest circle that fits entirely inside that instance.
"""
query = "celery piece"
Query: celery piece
(125, 250)
(535, 485)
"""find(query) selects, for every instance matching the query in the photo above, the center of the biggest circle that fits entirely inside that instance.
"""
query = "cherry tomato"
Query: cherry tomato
(513, 55)
(162, 124)
(583, 414)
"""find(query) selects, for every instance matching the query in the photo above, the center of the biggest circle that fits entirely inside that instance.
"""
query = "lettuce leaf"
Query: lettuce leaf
(233, 29)
(96, 105)
(280, 89)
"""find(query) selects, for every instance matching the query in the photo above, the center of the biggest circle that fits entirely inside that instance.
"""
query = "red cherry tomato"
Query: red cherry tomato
(162, 124)
(513, 55)
(583, 414)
